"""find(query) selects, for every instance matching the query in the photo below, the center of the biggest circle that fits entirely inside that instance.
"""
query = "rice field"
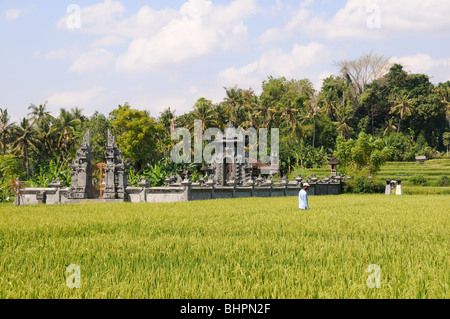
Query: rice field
(243, 248)
(431, 170)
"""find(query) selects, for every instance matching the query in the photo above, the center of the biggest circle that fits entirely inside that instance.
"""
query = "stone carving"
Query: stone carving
(230, 166)
(115, 174)
(81, 187)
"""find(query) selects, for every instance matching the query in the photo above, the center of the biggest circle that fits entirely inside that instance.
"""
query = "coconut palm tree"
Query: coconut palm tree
(265, 112)
(288, 113)
(25, 139)
(221, 115)
(203, 111)
(390, 128)
(402, 106)
(65, 125)
(344, 114)
(39, 113)
(6, 129)
(313, 111)
(78, 114)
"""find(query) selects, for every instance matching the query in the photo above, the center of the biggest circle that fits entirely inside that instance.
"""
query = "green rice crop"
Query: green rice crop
(431, 170)
(242, 248)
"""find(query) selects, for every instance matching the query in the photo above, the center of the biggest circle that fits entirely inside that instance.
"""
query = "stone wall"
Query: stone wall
(51, 196)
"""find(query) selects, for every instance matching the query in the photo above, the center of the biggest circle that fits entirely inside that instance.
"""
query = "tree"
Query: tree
(446, 138)
(204, 111)
(98, 125)
(66, 125)
(39, 113)
(167, 118)
(221, 115)
(344, 115)
(390, 127)
(364, 70)
(402, 106)
(312, 112)
(443, 90)
(137, 135)
(5, 129)
(25, 139)
(366, 152)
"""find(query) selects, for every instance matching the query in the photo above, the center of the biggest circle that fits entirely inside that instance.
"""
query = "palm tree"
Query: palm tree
(288, 112)
(233, 99)
(39, 113)
(264, 112)
(47, 135)
(167, 118)
(313, 111)
(327, 106)
(221, 115)
(78, 114)
(65, 125)
(390, 128)
(446, 102)
(203, 111)
(5, 129)
(447, 112)
(25, 139)
(402, 106)
(344, 115)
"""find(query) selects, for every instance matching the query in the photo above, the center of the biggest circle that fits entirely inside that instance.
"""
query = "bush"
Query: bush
(418, 180)
(360, 183)
(363, 185)
(443, 181)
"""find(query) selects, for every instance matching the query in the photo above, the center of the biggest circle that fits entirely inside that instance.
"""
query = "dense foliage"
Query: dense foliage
(395, 117)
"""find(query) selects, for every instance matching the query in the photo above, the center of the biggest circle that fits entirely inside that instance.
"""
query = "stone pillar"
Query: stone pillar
(81, 187)
(115, 174)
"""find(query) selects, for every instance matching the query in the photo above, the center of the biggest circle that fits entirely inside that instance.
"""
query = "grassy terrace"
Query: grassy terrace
(431, 170)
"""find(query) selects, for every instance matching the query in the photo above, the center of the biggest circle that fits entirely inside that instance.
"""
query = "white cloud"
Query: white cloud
(89, 100)
(107, 41)
(96, 18)
(106, 19)
(13, 14)
(301, 62)
(58, 54)
(424, 63)
(93, 60)
(398, 17)
(161, 38)
(201, 29)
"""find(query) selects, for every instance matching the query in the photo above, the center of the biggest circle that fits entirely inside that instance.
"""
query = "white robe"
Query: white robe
(303, 200)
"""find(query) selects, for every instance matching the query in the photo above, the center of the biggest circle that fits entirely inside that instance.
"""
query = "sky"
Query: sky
(97, 55)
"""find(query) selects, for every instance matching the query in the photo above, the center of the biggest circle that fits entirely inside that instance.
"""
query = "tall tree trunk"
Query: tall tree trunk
(28, 162)
(314, 132)
(371, 111)
(289, 131)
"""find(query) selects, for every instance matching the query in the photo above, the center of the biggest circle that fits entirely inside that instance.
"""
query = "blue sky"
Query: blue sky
(159, 54)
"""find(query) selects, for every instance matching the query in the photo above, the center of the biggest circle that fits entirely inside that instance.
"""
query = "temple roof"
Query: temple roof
(334, 161)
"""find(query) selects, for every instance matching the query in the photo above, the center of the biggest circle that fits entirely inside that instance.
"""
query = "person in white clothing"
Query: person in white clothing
(303, 197)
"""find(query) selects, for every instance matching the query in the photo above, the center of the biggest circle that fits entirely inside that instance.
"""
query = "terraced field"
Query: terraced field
(431, 170)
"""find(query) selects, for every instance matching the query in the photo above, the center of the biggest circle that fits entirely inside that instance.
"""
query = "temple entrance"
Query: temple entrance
(227, 171)
(103, 181)
(99, 177)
